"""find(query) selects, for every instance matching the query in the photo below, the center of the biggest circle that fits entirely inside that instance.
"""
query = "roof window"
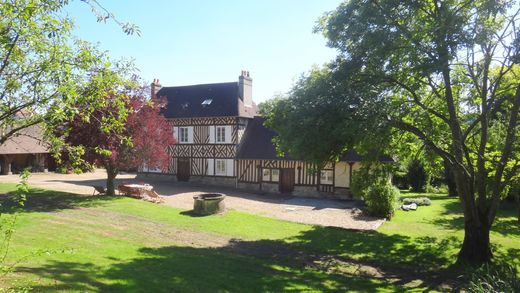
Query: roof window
(207, 102)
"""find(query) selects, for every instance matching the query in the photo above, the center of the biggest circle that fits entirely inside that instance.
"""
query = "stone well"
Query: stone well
(208, 204)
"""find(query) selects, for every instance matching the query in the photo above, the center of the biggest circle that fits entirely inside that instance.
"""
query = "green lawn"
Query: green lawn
(65, 242)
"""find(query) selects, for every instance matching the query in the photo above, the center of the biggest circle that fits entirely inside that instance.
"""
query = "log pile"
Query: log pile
(139, 193)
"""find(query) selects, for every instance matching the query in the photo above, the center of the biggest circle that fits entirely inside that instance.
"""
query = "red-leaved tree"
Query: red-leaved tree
(138, 135)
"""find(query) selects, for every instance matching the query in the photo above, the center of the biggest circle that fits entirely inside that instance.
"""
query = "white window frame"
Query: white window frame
(220, 167)
(183, 134)
(327, 177)
(266, 175)
(275, 175)
(220, 134)
(270, 175)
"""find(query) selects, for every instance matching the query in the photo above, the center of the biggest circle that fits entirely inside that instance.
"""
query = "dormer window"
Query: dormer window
(207, 102)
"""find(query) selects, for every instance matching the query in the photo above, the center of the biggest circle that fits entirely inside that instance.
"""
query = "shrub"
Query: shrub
(494, 278)
(382, 199)
(363, 179)
(420, 201)
(358, 186)
(417, 176)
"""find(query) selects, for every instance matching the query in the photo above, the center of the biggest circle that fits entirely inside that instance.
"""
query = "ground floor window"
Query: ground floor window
(326, 177)
(220, 167)
(270, 175)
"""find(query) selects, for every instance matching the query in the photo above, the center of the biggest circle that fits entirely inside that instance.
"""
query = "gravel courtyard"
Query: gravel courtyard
(335, 213)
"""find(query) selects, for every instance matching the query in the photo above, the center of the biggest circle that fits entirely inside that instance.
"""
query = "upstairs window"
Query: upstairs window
(221, 134)
(183, 134)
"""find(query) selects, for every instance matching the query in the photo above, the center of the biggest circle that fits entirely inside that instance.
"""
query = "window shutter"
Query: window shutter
(229, 166)
(190, 134)
(211, 167)
(228, 129)
(211, 134)
(176, 134)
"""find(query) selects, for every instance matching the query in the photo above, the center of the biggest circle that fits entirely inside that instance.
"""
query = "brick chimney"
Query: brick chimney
(245, 88)
(155, 87)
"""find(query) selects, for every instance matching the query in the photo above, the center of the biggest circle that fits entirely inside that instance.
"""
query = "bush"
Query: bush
(417, 177)
(494, 278)
(420, 201)
(362, 180)
(382, 199)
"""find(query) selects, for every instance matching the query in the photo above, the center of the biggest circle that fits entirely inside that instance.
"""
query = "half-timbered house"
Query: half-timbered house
(221, 141)
(259, 167)
(208, 122)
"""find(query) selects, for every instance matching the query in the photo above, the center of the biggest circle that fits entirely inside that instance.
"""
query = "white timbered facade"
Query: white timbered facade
(221, 141)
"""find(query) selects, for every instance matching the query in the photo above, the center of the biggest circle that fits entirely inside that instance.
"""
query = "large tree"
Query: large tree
(142, 136)
(444, 71)
(41, 63)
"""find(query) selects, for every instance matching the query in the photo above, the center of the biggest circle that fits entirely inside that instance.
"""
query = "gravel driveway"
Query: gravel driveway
(324, 212)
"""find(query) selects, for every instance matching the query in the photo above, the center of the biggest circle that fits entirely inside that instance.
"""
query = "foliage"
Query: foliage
(382, 200)
(445, 73)
(371, 183)
(494, 278)
(126, 132)
(42, 66)
(417, 177)
(420, 201)
(151, 135)
(7, 224)
(366, 177)
(441, 188)
(316, 103)
(103, 14)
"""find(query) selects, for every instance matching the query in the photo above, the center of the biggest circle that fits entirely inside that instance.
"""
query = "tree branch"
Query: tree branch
(506, 153)
(16, 129)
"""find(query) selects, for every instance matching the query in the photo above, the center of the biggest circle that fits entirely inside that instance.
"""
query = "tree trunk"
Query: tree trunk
(475, 248)
(449, 179)
(111, 175)
(517, 200)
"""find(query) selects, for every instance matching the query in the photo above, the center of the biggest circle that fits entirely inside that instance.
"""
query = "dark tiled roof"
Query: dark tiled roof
(27, 141)
(186, 101)
(257, 142)
(258, 145)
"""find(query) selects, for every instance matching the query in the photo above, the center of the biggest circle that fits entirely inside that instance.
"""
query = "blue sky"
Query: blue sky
(204, 41)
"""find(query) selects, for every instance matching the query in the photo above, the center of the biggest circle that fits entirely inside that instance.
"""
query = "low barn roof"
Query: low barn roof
(203, 100)
(258, 145)
(258, 142)
(26, 141)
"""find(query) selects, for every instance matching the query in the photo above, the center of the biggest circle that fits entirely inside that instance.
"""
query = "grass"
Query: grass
(66, 242)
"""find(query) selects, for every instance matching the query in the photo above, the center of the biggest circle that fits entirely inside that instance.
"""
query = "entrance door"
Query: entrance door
(183, 169)
(286, 180)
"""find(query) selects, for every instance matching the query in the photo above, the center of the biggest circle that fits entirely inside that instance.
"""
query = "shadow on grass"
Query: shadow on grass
(322, 259)
(40, 200)
(191, 213)
(505, 223)
(188, 269)
(421, 253)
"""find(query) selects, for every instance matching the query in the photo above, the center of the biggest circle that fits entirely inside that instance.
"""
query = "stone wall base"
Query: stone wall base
(272, 188)
(205, 180)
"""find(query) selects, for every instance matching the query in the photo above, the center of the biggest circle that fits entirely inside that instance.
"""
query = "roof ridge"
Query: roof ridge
(201, 84)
